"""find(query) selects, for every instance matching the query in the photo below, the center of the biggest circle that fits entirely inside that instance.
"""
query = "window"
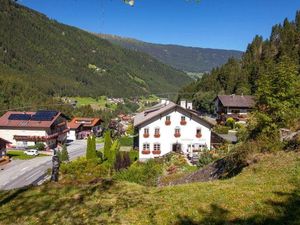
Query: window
(177, 132)
(198, 133)
(146, 148)
(168, 120)
(156, 132)
(183, 121)
(146, 132)
(156, 149)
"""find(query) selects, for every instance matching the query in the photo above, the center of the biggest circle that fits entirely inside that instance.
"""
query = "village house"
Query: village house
(81, 128)
(169, 127)
(24, 129)
(3, 145)
(235, 106)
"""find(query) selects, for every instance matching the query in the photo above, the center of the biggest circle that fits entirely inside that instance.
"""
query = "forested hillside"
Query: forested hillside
(269, 69)
(190, 59)
(40, 57)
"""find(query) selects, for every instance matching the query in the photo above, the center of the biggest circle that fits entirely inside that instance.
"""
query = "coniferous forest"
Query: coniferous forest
(41, 58)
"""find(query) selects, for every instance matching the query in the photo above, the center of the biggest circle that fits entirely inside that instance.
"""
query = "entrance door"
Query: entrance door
(176, 148)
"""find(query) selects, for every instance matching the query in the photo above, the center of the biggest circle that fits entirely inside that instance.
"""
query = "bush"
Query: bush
(40, 146)
(221, 129)
(133, 155)
(205, 159)
(64, 155)
(141, 173)
(122, 161)
(82, 170)
(126, 141)
(230, 122)
(91, 148)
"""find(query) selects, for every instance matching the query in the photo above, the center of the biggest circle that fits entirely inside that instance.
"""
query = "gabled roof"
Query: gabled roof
(160, 109)
(86, 122)
(6, 122)
(243, 101)
(4, 141)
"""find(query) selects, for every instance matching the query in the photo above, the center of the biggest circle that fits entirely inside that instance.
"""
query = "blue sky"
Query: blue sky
(226, 24)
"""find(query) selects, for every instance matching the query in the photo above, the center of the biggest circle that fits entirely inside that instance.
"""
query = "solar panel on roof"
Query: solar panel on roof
(16, 116)
(44, 115)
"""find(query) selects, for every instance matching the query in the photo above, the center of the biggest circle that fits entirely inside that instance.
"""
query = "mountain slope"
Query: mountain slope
(63, 60)
(188, 59)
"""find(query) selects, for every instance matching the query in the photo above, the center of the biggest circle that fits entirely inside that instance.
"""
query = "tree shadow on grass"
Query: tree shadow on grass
(286, 213)
(12, 195)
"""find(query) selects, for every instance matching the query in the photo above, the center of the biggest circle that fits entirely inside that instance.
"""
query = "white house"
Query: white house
(169, 127)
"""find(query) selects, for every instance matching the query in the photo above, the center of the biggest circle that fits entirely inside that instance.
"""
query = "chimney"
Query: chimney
(183, 104)
(189, 105)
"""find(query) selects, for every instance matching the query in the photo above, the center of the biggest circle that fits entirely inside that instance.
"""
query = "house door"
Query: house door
(176, 148)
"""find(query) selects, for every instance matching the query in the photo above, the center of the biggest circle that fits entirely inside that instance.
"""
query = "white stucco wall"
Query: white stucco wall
(71, 135)
(167, 138)
(8, 134)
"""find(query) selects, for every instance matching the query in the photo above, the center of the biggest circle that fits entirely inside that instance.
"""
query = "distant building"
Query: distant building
(236, 106)
(3, 144)
(25, 129)
(169, 127)
(81, 128)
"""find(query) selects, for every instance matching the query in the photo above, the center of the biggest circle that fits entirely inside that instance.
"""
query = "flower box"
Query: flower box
(198, 135)
(156, 152)
(182, 122)
(168, 122)
(146, 135)
(146, 152)
(177, 135)
(157, 135)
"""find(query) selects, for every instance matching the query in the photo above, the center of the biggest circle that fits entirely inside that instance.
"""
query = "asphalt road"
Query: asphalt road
(21, 173)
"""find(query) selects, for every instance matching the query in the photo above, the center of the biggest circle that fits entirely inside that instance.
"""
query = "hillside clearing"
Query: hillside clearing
(265, 193)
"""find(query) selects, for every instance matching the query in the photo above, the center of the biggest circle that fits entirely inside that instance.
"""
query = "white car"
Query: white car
(32, 152)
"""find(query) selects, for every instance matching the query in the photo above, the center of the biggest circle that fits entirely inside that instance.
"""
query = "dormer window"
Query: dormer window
(146, 132)
(168, 120)
(183, 121)
(198, 133)
(157, 132)
(177, 132)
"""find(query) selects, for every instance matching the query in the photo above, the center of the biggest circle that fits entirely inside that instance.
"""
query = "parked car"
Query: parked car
(32, 152)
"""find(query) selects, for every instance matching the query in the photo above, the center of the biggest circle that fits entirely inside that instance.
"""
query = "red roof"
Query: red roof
(86, 122)
(7, 123)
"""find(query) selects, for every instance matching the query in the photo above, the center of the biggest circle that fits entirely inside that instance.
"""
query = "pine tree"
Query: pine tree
(64, 154)
(91, 148)
(107, 144)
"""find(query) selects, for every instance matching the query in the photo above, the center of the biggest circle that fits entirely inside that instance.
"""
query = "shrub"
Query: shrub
(126, 141)
(91, 148)
(230, 122)
(205, 159)
(133, 155)
(141, 173)
(221, 129)
(40, 146)
(64, 156)
(82, 170)
(122, 161)
(107, 144)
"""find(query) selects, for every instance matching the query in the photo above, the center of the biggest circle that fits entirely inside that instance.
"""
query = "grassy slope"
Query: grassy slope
(265, 193)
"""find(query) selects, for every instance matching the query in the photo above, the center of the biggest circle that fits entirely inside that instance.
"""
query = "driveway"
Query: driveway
(20, 173)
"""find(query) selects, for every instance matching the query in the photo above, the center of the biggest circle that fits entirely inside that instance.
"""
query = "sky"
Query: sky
(223, 24)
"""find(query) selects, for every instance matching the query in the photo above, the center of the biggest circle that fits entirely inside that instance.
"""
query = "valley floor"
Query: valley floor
(267, 192)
